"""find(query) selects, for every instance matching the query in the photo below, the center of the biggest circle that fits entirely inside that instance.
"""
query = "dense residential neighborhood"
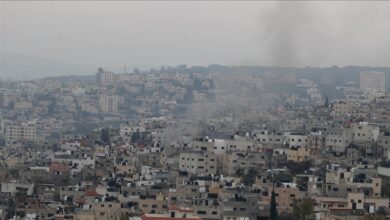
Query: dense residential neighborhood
(176, 143)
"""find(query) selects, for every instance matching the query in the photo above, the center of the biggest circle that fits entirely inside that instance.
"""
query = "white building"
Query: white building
(364, 132)
(127, 130)
(108, 104)
(104, 78)
(25, 131)
(338, 139)
(4, 99)
(372, 83)
(297, 139)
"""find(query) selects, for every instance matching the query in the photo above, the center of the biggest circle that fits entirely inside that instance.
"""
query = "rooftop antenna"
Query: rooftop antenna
(124, 69)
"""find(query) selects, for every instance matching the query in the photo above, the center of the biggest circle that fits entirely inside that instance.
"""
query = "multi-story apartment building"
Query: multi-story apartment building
(338, 139)
(297, 139)
(108, 104)
(298, 154)
(4, 99)
(25, 131)
(200, 163)
(372, 83)
(104, 78)
(364, 132)
(342, 108)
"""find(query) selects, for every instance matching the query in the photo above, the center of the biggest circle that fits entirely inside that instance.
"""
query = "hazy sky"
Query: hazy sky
(199, 33)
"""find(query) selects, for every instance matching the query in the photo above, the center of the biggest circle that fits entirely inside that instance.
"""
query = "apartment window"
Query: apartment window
(201, 212)
(154, 206)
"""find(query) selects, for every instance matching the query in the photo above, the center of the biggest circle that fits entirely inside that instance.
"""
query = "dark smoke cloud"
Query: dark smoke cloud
(323, 33)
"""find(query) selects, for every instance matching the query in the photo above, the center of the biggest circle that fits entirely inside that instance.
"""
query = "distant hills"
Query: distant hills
(18, 66)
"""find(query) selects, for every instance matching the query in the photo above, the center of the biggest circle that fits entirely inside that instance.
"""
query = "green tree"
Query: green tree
(105, 136)
(250, 176)
(303, 210)
(374, 217)
(326, 104)
(298, 167)
(124, 217)
(386, 186)
(273, 215)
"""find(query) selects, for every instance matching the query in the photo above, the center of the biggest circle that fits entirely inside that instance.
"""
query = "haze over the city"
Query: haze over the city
(194, 110)
(150, 34)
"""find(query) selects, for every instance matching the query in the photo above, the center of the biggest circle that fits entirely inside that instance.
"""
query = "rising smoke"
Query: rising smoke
(323, 34)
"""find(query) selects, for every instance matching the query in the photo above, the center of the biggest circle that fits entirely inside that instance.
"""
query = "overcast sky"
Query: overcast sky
(199, 33)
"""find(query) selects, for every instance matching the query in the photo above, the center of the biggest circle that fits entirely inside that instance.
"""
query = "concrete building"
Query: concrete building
(108, 104)
(298, 154)
(364, 132)
(338, 139)
(342, 108)
(372, 83)
(297, 139)
(199, 163)
(104, 78)
(25, 131)
(4, 99)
